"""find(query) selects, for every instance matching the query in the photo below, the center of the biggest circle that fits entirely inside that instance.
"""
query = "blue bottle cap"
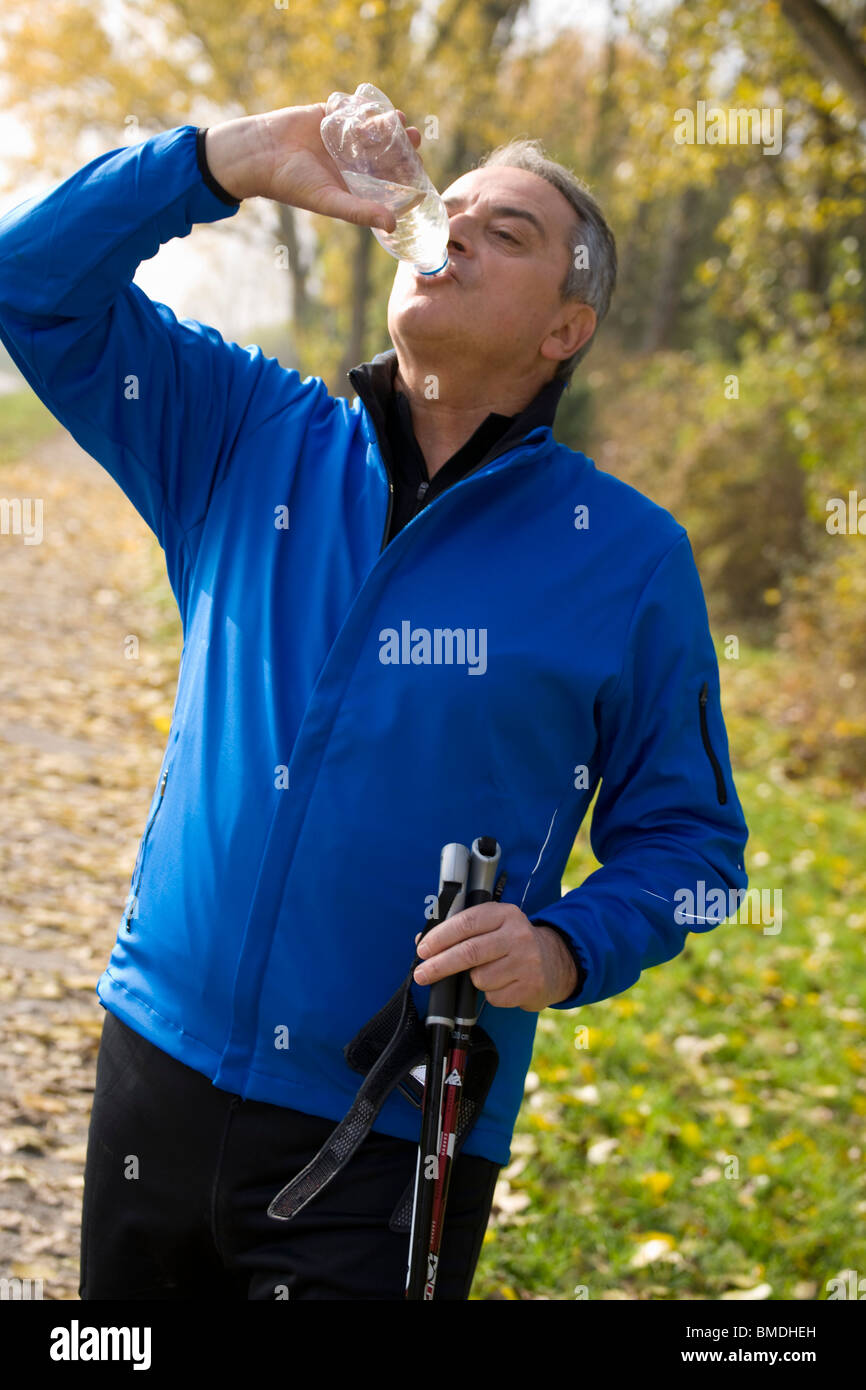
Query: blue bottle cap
(438, 269)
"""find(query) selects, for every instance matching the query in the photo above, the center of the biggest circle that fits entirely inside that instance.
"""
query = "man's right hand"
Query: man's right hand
(280, 155)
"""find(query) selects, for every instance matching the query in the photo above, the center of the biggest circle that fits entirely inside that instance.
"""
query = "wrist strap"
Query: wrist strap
(204, 169)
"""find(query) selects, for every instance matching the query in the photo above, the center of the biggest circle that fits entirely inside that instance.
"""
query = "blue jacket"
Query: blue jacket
(345, 708)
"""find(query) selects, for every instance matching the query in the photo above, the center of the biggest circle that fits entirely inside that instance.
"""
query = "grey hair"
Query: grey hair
(593, 284)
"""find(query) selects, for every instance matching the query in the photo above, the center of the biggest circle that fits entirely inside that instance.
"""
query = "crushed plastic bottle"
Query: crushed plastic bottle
(366, 139)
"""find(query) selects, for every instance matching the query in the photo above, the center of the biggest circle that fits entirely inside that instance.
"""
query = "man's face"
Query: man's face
(499, 301)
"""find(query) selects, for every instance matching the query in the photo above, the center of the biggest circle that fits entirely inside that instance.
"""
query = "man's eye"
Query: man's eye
(507, 235)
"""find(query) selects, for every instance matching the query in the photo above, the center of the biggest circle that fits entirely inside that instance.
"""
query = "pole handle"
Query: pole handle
(483, 865)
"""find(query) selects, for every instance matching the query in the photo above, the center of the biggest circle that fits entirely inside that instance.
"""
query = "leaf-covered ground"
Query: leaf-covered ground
(81, 738)
(700, 1137)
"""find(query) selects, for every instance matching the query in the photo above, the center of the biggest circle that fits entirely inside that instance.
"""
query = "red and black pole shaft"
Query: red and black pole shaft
(483, 866)
(453, 872)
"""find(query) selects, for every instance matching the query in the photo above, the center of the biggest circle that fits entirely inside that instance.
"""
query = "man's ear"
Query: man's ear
(575, 326)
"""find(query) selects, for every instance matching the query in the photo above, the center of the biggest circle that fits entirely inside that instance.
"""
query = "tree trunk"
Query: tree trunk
(666, 302)
(299, 309)
(836, 52)
(354, 352)
(600, 152)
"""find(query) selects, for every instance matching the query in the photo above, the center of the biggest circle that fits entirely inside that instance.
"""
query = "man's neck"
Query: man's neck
(443, 424)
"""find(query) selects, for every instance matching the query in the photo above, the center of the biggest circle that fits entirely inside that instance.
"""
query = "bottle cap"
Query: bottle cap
(438, 269)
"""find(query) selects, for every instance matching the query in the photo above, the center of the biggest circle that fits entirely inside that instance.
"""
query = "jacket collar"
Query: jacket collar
(374, 383)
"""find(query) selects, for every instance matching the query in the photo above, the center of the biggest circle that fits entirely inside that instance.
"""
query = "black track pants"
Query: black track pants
(179, 1175)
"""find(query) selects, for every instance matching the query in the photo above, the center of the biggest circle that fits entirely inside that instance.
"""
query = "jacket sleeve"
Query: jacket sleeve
(668, 828)
(158, 401)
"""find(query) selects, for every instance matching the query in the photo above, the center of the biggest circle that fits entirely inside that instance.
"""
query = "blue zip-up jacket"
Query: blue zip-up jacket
(345, 708)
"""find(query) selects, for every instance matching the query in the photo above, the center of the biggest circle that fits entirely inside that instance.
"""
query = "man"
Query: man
(408, 620)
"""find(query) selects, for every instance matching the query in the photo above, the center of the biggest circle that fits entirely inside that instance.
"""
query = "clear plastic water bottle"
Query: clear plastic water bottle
(366, 139)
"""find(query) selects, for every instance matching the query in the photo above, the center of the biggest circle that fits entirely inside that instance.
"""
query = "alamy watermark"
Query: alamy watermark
(24, 1289)
(17, 518)
(77, 1343)
(846, 517)
(739, 126)
(438, 646)
(716, 905)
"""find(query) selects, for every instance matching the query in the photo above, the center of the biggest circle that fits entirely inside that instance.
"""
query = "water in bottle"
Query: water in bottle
(365, 137)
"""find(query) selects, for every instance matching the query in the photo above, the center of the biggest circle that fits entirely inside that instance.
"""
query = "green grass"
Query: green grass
(744, 1163)
(24, 421)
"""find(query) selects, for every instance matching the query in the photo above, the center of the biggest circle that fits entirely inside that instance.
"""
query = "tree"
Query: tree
(835, 48)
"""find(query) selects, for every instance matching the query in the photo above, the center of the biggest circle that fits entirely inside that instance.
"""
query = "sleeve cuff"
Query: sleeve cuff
(215, 187)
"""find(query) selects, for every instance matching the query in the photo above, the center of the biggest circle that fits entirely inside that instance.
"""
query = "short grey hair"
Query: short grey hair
(595, 283)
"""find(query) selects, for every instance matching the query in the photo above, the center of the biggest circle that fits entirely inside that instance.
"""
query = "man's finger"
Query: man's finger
(467, 955)
(484, 917)
(362, 212)
(383, 218)
(412, 131)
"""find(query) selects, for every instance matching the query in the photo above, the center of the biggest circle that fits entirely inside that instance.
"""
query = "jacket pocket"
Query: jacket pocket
(721, 791)
(132, 900)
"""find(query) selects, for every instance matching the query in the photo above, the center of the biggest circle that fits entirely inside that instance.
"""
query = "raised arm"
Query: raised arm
(158, 401)
(153, 399)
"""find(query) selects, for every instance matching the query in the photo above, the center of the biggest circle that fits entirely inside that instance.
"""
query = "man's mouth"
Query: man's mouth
(447, 274)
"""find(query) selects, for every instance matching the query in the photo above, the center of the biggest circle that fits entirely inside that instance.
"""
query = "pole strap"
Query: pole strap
(385, 1051)
(481, 1062)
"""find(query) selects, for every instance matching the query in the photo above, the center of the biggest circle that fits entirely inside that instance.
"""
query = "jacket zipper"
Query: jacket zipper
(422, 488)
(390, 502)
(419, 497)
(705, 735)
(136, 876)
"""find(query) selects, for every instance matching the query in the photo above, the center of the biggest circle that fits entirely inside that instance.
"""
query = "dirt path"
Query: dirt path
(82, 731)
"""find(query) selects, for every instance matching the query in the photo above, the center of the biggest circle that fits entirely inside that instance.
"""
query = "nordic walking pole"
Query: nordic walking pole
(483, 866)
(453, 871)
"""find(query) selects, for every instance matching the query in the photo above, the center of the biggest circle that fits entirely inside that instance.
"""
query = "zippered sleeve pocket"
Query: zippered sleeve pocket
(721, 791)
(131, 909)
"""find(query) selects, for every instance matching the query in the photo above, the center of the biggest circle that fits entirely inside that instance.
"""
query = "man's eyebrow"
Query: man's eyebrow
(453, 203)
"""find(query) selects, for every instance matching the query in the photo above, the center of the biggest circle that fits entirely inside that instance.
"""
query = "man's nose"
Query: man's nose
(460, 233)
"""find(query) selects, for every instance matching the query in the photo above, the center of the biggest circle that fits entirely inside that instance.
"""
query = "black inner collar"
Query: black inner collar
(391, 415)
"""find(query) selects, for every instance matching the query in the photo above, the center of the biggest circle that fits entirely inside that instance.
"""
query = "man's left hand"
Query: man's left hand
(515, 963)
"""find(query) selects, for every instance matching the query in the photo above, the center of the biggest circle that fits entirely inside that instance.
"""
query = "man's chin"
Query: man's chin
(422, 317)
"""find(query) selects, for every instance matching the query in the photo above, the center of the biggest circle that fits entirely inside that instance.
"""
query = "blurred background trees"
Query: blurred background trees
(728, 381)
